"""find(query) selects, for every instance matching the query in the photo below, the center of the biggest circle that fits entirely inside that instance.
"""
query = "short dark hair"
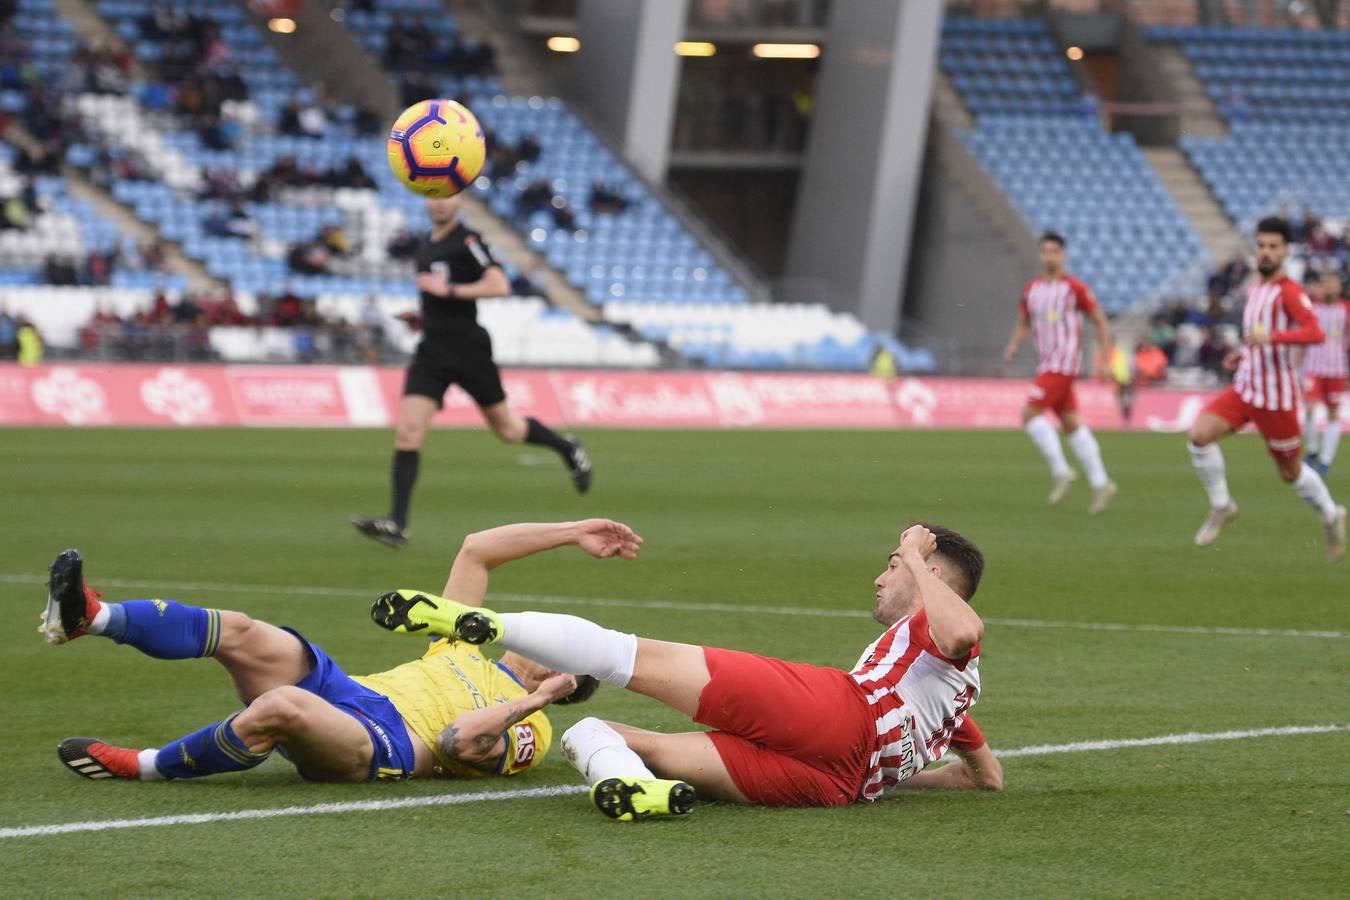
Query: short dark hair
(1276, 225)
(962, 555)
(1053, 237)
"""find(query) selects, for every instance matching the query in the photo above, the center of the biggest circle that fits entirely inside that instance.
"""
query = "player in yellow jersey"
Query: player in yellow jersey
(453, 712)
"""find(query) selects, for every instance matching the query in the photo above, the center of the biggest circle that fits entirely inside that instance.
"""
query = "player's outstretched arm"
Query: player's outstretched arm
(972, 770)
(954, 626)
(484, 551)
(477, 738)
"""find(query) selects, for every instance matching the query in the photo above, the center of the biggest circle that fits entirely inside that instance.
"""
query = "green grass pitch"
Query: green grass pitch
(241, 519)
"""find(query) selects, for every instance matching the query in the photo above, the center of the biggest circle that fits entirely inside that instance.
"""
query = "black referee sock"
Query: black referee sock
(539, 433)
(404, 477)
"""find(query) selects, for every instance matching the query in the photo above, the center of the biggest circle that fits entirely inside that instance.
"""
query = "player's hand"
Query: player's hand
(918, 539)
(433, 283)
(603, 538)
(1256, 338)
(1231, 360)
(556, 687)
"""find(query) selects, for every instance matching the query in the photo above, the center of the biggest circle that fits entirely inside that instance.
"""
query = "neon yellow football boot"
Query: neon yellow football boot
(630, 799)
(417, 612)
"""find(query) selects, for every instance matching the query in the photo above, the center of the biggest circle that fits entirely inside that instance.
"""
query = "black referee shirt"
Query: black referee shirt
(463, 258)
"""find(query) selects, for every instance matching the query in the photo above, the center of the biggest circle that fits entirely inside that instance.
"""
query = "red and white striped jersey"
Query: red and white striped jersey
(918, 697)
(1265, 375)
(1055, 307)
(1327, 359)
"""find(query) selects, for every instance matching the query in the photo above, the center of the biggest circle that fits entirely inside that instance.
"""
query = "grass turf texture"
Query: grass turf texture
(790, 519)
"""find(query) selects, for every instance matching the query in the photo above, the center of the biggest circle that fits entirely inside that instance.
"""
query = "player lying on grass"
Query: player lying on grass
(786, 734)
(453, 712)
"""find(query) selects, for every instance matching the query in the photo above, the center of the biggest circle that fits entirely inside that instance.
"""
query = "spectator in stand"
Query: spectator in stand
(309, 258)
(234, 222)
(288, 310)
(29, 343)
(334, 239)
(9, 335)
(529, 149)
(605, 200)
(60, 270)
(352, 175)
(1150, 363)
(403, 245)
(538, 194)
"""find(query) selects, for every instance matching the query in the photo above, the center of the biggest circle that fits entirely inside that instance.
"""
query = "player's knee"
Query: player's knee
(409, 437)
(1199, 437)
(509, 432)
(278, 711)
(235, 628)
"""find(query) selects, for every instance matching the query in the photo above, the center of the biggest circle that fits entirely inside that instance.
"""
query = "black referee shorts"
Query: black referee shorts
(434, 369)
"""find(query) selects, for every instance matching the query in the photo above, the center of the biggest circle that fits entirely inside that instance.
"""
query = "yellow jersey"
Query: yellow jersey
(450, 679)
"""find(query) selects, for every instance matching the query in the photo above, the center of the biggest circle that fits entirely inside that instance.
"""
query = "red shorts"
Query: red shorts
(1053, 391)
(1280, 427)
(1330, 391)
(790, 734)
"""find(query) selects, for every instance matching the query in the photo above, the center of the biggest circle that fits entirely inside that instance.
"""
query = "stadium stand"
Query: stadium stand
(1041, 142)
(134, 323)
(1300, 119)
(228, 156)
(599, 224)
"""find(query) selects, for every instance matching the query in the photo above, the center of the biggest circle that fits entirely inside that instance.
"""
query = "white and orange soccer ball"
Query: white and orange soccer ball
(436, 148)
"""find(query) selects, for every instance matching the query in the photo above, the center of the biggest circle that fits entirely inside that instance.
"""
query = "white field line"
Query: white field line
(684, 606)
(322, 809)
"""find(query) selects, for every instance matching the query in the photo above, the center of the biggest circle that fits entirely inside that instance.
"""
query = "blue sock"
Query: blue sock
(207, 751)
(164, 629)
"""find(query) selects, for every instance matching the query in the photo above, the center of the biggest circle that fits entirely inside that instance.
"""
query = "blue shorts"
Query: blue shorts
(394, 758)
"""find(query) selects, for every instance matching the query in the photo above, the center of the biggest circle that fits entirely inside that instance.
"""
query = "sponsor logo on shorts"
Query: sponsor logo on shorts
(1036, 392)
(380, 734)
(1284, 445)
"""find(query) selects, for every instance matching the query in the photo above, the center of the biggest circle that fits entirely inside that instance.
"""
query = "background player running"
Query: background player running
(455, 269)
(1325, 371)
(453, 712)
(787, 734)
(1052, 307)
(1265, 391)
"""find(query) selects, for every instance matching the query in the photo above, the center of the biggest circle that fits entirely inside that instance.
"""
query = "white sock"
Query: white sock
(1043, 435)
(1331, 438)
(1209, 465)
(1310, 432)
(1084, 444)
(145, 761)
(599, 752)
(571, 644)
(1310, 486)
(100, 620)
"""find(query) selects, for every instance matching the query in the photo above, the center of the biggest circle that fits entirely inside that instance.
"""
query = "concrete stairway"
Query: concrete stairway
(128, 224)
(515, 62)
(1219, 234)
(1199, 118)
(95, 31)
(949, 116)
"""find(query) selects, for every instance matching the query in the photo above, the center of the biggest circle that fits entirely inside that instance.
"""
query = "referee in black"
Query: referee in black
(454, 269)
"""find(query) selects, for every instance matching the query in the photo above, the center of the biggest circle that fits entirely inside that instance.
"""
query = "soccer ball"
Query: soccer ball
(436, 148)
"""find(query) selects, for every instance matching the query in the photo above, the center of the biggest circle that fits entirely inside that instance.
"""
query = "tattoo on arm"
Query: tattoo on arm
(450, 741)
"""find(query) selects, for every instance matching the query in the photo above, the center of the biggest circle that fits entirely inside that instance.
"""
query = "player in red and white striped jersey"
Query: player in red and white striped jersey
(1277, 319)
(1325, 371)
(786, 734)
(1052, 309)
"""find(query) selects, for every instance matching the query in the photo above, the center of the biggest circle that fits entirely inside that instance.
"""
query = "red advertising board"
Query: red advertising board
(144, 394)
